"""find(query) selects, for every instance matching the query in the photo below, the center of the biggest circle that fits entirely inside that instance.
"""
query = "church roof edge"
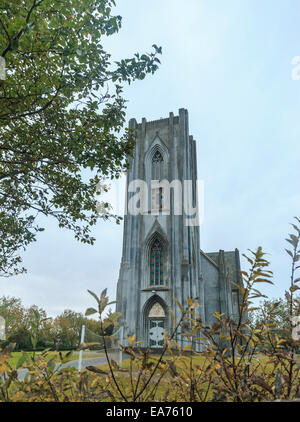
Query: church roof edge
(161, 120)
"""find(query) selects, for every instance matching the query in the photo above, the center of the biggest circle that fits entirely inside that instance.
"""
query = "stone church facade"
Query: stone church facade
(162, 259)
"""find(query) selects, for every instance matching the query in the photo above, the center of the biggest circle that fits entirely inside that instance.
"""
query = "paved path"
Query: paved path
(100, 360)
(73, 363)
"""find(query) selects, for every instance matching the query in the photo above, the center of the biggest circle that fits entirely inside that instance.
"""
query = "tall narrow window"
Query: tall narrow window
(157, 200)
(157, 174)
(157, 265)
(157, 166)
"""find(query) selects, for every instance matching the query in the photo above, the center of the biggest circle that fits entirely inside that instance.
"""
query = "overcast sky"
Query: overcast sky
(230, 64)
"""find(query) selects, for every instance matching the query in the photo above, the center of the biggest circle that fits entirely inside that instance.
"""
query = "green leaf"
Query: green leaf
(294, 240)
(94, 296)
(103, 293)
(297, 280)
(290, 253)
(90, 311)
(14, 44)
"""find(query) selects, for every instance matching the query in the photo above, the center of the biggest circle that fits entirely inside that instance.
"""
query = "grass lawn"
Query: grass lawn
(15, 356)
(182, 362)
(166, 386)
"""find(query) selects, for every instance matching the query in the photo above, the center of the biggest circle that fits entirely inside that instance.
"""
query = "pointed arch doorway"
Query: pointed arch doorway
(156, 325)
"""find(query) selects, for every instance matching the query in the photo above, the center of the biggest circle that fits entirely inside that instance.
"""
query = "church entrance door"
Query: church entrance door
(156, 332)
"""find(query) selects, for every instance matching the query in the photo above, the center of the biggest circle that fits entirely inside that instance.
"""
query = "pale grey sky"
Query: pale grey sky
(228, 63)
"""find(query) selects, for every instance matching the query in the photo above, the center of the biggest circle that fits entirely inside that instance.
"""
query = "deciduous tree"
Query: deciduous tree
(61, 111)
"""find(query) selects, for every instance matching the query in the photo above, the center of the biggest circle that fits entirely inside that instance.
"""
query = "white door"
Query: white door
(156, 332)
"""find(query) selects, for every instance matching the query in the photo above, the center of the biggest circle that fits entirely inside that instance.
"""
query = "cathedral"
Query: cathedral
(162, 259)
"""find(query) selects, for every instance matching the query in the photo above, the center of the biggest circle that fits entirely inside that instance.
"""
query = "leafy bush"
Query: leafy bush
(238, 363)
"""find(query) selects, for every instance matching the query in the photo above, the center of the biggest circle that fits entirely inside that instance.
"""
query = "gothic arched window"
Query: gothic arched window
(157, 166)
(157, 260)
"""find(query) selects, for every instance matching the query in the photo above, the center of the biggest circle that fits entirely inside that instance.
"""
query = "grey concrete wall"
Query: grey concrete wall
(211, 289)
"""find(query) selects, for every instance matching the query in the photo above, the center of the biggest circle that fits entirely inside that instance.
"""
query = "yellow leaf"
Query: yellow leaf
(131, 339)
(179, 305)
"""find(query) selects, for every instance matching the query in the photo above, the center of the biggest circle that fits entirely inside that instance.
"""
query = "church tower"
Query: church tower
(162, 259)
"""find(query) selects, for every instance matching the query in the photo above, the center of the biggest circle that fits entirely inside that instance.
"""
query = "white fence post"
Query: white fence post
(80, 353)
(2, 328)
